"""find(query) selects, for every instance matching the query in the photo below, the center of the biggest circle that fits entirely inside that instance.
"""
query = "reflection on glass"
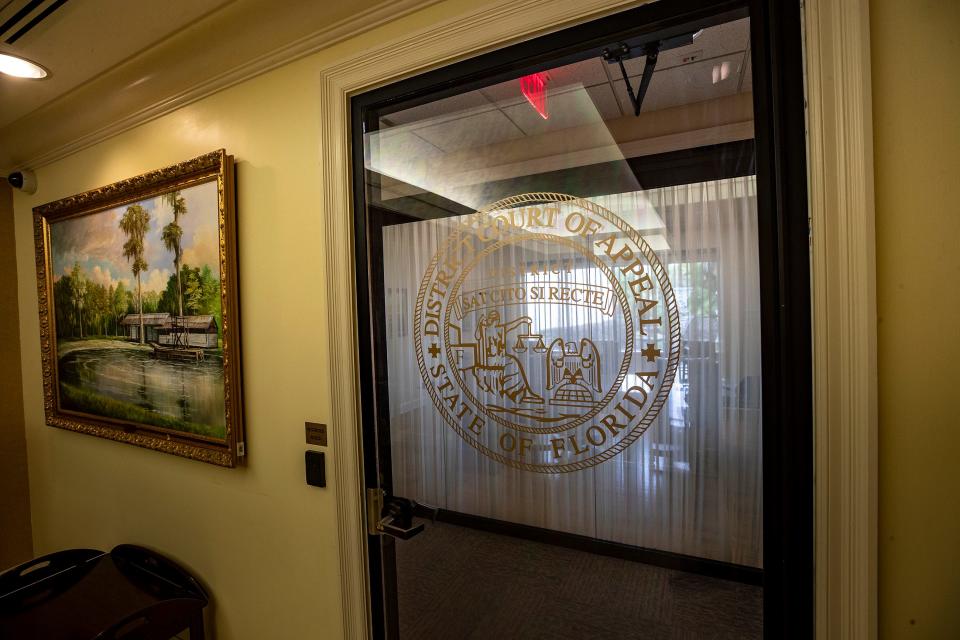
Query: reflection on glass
(680, 175)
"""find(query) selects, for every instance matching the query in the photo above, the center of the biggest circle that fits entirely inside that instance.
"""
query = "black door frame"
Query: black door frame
(779, 124)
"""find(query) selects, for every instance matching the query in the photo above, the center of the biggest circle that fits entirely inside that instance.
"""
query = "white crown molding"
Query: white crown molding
(21, 148)
(845, 315)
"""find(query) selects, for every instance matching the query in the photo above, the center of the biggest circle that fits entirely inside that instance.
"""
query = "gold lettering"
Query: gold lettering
(491, 229)
(600, 439)
(629, 416)
(534, 214)
(443, 278)
(637, 285)
(557, 444)
(643, 283)
(524, 445)
(576, 446)
(436, 291)
(552, 213)
(635, 268)
(576, 222)
(610, 422)
(476, 425)
(647, 306)
(452, 261)
(431, 325)
(625, 252)
(645, 379)
(452, 400)
(643, 396)
(643, 323)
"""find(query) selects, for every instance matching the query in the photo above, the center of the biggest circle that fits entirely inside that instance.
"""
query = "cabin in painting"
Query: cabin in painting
(171, 330)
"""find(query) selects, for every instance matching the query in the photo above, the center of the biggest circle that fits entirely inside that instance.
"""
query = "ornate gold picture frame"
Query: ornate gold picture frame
(139, 319)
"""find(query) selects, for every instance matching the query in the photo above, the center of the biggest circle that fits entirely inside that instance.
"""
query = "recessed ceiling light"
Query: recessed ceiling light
(721, 71)
(20, 68)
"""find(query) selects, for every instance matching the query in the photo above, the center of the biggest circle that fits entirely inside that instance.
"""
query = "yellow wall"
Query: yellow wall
(916, 116)
(264, 542)
(16, 545)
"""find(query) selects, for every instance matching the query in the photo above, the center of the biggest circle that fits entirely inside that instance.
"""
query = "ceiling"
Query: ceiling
(716, 65)
(82, 39)
(112, 62)
(457, 146)
(116, 63)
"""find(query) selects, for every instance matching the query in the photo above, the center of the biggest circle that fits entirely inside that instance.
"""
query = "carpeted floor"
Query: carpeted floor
(456, 582)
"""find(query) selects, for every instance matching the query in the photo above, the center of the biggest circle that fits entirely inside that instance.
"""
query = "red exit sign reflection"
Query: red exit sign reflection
(534, 89)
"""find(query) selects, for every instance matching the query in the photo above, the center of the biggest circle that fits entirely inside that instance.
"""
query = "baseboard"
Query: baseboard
(655, 557)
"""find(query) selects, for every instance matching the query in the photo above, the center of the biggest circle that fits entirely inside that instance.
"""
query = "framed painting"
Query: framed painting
(139, 323)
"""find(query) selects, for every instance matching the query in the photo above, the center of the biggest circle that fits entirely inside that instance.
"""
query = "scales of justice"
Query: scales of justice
(565, 374)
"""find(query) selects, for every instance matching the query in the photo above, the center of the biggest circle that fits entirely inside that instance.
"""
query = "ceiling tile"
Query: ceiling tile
(684, 85)
(722, 39)
(451, 108)
(391, 147)
(570, 108)
(586, 73)
(606, 101)
(475, 130)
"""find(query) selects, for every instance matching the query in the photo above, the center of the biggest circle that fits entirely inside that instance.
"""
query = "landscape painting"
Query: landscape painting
(136, 318)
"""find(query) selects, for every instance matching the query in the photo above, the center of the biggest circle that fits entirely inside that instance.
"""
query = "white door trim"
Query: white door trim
(843, 276)
(840, 165)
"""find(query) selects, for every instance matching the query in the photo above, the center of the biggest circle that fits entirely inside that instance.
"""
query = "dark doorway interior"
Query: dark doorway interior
(527, 589)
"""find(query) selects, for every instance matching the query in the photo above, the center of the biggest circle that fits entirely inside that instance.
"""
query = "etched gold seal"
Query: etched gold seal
(547, 333)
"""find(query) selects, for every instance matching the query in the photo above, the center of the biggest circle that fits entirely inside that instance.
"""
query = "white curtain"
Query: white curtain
(692, 484)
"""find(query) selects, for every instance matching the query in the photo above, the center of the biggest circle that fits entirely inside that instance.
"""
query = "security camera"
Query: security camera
(23, 180)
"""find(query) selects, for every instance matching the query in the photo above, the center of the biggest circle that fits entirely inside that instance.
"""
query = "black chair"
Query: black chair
(33, 581)
(156, 574)
(132, 593)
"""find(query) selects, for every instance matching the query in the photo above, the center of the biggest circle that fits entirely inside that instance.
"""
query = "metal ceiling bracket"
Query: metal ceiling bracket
(622, 52)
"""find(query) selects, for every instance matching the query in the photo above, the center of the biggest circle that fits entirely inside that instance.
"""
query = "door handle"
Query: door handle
(391, 516)
(387, 527)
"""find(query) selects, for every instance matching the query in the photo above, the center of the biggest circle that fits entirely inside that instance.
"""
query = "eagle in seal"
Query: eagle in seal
(575, 373)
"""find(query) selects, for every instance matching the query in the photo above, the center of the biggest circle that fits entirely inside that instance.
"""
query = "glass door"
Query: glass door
(560, 282)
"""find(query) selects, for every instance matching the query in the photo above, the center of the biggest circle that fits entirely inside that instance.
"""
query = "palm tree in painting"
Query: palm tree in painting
(135, 223)
(78, 290)
(171, 235)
